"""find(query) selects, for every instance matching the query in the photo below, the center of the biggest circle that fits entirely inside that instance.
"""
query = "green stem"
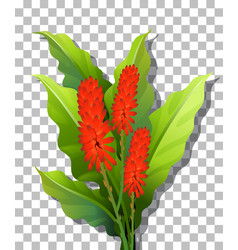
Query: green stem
(119, 202)
(132, 219)
(123, 207)
(122, 171)
(123, 236)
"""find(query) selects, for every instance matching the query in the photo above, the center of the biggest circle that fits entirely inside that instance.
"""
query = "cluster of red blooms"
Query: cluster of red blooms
(124, 101)
(94, 129)
(135, 163)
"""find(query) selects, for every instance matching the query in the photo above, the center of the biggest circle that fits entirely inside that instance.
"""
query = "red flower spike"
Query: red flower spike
(92, 128)
(135, 164)
(123, 101)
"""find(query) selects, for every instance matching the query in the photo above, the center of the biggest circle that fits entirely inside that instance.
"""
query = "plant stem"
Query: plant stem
(122, 179)
(122, 171)
(132, 219)
(123, 209)
(124, 240)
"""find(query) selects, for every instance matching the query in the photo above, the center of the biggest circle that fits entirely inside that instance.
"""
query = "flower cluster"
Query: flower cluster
(135, 163)
(124, 100)
(92, 127)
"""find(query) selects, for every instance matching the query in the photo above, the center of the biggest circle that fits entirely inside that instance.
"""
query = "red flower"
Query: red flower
(135, 163)
(92, 127)
(123, 101)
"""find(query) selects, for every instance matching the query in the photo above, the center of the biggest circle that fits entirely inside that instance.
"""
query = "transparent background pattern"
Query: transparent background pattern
(189, 43)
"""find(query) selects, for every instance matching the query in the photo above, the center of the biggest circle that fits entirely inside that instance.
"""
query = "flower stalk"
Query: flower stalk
(112, 200)
(122, 170)
(132, 220)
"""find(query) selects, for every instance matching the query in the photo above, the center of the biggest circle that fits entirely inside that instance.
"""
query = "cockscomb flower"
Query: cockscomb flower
(124, 101)
(135, 163)
(92, 127)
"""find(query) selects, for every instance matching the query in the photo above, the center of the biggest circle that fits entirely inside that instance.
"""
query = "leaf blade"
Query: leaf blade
(62, 109)
(172, 124)
(77, 201)
(74, 62)
(179, 109)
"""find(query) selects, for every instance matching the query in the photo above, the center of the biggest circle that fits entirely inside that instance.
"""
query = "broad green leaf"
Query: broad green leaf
(78, 201)
(172, 124)
(74, 63)
(139, 56)
(63, 110)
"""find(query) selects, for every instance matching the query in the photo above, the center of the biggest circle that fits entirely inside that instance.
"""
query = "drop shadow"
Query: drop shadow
(152, 74)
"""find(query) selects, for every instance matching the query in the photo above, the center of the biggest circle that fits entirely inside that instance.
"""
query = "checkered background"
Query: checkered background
(189, 43)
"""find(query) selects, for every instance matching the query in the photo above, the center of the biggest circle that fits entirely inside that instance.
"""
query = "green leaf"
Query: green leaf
(172, 124)
(63, 110)
(74, 63)
(139, 56)
(78, 201)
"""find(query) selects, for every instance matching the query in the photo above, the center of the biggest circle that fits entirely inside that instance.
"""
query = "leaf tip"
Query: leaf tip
(148, 32)
(207, 76)
(36, 75)
(39, 32)
(37, 170)
(44, 34)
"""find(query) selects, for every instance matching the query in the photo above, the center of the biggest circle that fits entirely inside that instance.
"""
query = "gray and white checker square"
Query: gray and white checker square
(189, 215)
